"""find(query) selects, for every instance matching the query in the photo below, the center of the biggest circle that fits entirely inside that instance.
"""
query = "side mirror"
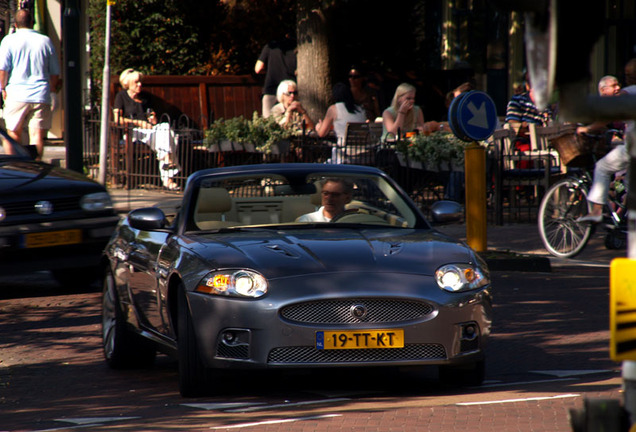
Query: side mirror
(147, 219)
(446, 212)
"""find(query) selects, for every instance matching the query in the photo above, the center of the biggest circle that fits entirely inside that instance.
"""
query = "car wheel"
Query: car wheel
(122, 348)
(194, 377)
(76, 277)
(468, 375)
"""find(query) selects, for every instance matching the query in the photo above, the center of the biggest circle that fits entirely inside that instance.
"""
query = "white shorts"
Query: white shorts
(35, 115)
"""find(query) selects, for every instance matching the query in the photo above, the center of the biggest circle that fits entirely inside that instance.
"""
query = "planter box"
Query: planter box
(281, 148)
(225, 146)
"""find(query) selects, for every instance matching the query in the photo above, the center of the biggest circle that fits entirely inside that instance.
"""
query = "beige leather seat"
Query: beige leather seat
(214, 205)
(315, 201)
(293, 209)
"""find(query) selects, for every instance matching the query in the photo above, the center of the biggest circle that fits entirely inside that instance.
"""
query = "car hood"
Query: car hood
(279, 253)
(24, 176)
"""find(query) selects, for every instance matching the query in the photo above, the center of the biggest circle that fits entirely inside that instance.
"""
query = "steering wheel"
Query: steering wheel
(369, 215)
(344, 214)
(358, 215)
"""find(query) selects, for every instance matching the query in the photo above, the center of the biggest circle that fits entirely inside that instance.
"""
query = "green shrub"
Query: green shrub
(263, 133)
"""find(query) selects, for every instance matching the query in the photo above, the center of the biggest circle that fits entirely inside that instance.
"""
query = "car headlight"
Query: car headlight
(460, 277)
(237, 283)
(97, 201)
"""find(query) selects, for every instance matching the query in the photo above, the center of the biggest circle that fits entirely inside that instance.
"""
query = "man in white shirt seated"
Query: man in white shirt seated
(335, 194)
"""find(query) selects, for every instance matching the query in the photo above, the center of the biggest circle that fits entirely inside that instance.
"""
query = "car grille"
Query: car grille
(340, 311)
(307, 355)
(236, 352)
(25, 208)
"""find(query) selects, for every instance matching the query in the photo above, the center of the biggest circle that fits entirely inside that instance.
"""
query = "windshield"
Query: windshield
(268, 199)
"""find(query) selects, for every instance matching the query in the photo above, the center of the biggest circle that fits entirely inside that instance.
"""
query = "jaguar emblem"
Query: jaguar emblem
(358, 311)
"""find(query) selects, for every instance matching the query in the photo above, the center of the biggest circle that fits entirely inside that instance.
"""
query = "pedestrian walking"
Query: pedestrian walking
(29, 71)
(278, 62)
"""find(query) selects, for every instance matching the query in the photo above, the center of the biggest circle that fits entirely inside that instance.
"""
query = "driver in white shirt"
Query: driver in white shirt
(335, 194)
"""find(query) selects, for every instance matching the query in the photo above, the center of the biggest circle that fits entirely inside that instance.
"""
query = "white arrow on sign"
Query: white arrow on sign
(480, 117)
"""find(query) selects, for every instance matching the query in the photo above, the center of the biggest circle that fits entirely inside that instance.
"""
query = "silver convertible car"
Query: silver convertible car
(293, 266)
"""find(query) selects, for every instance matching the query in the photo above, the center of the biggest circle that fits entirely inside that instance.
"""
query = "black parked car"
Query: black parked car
(50, 218)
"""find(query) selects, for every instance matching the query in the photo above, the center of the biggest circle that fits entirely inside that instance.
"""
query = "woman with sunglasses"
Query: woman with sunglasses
(289, 112)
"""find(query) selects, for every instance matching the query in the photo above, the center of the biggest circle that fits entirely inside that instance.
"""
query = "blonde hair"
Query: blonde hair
(127, 75)
(409, 119)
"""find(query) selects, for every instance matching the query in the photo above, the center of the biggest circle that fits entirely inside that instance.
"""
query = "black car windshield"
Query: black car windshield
(272, 199)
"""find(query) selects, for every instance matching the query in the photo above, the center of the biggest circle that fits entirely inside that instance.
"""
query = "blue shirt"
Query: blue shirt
(30, 59)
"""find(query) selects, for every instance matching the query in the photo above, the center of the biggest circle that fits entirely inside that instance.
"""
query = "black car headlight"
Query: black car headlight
(98, 201)
(237, 283)
(460, 277)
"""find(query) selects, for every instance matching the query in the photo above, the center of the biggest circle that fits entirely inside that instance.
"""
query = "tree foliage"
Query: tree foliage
(392, 41)
(186, 37)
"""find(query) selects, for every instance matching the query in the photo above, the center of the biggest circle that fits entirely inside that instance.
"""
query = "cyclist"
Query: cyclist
(613, 162)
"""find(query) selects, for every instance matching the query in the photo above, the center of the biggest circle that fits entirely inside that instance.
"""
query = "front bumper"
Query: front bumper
(446, 329)
(17, 256)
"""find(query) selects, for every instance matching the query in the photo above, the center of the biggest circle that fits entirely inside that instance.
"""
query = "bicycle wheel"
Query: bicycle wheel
(561, 206)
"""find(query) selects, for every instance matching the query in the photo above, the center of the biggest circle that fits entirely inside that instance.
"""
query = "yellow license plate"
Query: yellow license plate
(360, 339)
(52, 238)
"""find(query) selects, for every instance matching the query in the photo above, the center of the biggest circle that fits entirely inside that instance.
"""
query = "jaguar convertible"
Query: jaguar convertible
(293, 266)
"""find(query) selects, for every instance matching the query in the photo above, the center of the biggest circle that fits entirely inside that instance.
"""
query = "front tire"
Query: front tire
(194, 377)
(122, 348)
(560, 208)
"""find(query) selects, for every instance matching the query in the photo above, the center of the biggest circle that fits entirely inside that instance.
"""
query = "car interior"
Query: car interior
(274, 200)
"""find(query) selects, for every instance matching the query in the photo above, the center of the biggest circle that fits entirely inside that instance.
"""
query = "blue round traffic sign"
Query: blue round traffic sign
(472, 116)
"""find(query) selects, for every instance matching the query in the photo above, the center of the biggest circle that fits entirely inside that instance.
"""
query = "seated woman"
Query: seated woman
(132, 108)
(289, 112)
(363, 94)
(343, 111)
(403, 116)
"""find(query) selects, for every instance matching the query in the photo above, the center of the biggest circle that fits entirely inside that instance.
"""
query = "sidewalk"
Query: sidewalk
(520, 238)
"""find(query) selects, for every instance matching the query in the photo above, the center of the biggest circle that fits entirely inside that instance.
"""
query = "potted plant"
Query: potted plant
(268, 136)
(226, 134)
(237, 133)
(439, 151)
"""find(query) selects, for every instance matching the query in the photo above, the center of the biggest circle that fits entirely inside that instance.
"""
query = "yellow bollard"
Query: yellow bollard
(475, 171)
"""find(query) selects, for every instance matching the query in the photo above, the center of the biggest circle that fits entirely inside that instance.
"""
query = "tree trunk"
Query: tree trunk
(314, 78)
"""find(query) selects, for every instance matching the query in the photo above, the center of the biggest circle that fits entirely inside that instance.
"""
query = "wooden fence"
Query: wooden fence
(201, 98)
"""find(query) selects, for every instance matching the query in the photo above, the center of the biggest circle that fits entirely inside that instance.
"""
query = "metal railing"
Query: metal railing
(134, 165)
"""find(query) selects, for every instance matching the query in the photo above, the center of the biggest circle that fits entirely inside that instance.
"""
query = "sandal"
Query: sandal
(172, 185)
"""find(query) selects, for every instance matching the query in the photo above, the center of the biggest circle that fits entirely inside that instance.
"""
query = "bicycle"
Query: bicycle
(566, 201)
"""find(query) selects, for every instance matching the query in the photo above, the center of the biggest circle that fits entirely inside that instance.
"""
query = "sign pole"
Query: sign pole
(475, 174)
(473, 117)
(73, 138)
(103, 140)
